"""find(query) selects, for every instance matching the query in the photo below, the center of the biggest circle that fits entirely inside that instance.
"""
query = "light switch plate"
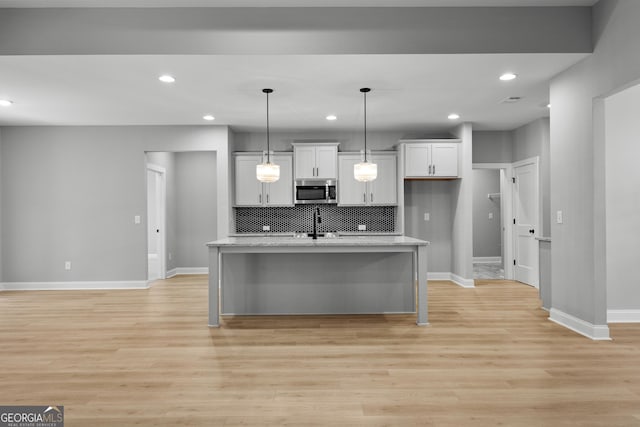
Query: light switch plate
(427, 216)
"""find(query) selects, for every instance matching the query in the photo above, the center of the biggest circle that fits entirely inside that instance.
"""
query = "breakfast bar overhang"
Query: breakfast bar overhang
(344, 275)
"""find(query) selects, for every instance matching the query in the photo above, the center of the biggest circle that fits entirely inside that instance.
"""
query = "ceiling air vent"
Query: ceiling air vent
(511, 99)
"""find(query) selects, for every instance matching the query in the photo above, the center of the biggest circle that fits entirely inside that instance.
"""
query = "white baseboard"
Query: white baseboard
(461, 281)
(589, 330)
(623, 316)
(486, 259)
(72, 286)
(187, 270)
(465, 283)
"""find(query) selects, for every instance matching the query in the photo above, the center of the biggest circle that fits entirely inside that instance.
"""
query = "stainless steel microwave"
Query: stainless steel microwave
(315, 191)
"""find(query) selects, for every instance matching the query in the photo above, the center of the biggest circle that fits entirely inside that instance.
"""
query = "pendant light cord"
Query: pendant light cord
(364, 91)
(268, 91)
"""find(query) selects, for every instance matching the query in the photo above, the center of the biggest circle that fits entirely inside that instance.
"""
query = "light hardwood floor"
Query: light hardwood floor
(147, 358)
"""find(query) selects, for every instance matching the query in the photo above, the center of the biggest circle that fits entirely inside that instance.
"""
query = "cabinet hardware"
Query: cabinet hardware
(260, 198)
(429, 170)
(371, 197)
(267, 198)
(434, 169)
(532, 231)
(364, 197)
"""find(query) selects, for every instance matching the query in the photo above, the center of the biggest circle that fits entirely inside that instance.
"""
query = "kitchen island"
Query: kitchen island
(341, 275)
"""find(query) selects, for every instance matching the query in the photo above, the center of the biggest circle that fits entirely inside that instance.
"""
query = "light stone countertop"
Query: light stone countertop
(273, 241)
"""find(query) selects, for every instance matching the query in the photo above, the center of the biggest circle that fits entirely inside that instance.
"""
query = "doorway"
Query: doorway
(526, 214)
(156, 218)
(492, 229)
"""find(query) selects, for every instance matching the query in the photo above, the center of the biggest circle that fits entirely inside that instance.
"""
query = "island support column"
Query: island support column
(421, 296)
(214, 286)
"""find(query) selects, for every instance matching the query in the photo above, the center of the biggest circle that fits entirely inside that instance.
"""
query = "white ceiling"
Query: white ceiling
(292, 3)
(409, 92)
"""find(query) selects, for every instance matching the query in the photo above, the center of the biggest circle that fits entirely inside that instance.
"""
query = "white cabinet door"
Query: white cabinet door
(350, 191)
(316, 161)
(280, 193)
(417, 160)
(327, 162)
(383, 189)
(444, 159)
(305, 162)
(248, 188)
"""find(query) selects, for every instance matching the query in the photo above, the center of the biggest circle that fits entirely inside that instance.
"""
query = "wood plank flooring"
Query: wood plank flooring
(147, 358)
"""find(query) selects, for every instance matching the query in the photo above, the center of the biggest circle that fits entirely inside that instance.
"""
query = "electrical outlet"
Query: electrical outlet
(136, 219)
(559, 217)
(362, 227)
(67, 265)
(427, 216)
(490, 215)
(266, 228)
(170, 256)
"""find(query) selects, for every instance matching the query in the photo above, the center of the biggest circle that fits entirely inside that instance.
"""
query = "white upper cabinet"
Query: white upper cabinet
(315, 161)
(380, 191)
(251, 192)
(431, 159)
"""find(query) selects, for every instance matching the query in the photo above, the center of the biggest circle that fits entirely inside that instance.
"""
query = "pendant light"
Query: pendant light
(365, 171)
(267, 171)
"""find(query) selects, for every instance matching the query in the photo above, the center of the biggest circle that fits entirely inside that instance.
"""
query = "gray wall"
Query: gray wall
(487, 235)
(623, 199)
(71, 193)
(286, 30)
(434, 197)
(578, 160)
(196, 207)
(492, 147)
(2, 181)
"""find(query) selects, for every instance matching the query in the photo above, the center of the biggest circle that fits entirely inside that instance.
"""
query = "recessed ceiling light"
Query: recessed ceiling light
(332, 117)
(453, 116)
(166, 78)
(5, 103)
(508, 76)
(208, 117)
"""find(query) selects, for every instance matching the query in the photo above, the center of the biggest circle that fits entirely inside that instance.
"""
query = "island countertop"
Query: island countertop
(342, 241)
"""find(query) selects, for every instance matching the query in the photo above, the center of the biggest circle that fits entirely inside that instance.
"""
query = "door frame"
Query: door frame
(535, 161)
(506, 212)
(161, 200)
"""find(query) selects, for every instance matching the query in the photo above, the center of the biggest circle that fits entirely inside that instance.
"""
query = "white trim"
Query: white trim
(461, 281)
(438, 275)
(487, 259)
(446, 275)
(187, 270)
(623, 316)
(589, 330)
(71, 286)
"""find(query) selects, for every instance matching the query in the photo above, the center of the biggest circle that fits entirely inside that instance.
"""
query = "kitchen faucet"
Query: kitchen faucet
(317, 219)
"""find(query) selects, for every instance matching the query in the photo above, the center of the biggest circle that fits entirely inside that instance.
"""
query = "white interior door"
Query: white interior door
(155, 222)
(526, 208)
